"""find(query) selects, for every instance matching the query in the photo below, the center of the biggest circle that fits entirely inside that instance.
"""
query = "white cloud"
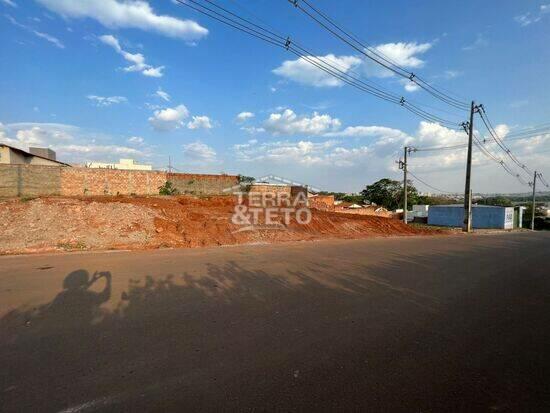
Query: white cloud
(94, 150)
(199, 153)
(30, 134)
(368, 131)
(137, 60)
(479, 43)
(154, 71)
(402, 53)
(163, 95)
(451, 74)
(288, 123)
(72, 144)
(527, 19)
(303, 153)
(127, 14)
(169, 119)
(53, 40)
(106, 100)
(302, 71)
(502, 130)
(136, 140)
(200, 122)
(433, 134)
(252, 129)
(9, 3)
(409, 85)
(244, 116)
(349, 164)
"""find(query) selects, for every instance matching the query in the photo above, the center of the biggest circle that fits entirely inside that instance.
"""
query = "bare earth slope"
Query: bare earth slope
(61, 224)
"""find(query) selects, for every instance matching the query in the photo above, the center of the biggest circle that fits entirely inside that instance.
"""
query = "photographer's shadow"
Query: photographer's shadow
(77, 306)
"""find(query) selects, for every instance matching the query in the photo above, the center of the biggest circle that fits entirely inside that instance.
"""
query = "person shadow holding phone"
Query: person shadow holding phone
(77, 304)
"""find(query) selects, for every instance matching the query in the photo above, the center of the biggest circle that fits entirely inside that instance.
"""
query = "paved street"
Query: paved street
(446, 323)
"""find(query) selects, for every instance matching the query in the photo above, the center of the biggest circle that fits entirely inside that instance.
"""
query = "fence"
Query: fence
(32, 180)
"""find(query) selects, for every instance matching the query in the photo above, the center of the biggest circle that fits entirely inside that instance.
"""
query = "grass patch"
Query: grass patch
(72, 246)
(27, 198)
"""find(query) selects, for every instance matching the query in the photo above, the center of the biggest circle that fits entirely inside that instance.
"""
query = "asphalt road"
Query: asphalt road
(399, 324)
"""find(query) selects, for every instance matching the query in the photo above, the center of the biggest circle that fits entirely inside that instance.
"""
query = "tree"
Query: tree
(389, 193)
(167, 189)
(496, 200)
(435, 200)
(246, 182)
(243, 179)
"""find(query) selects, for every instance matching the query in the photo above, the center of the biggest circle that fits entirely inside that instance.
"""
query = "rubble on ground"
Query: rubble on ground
(124, 222)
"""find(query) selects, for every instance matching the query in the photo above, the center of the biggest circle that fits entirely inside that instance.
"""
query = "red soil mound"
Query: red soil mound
(60, 223)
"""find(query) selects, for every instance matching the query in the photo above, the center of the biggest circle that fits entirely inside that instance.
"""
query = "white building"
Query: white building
(128, 164)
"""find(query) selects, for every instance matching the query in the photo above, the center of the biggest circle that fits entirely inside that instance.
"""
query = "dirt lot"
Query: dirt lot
(96, 223)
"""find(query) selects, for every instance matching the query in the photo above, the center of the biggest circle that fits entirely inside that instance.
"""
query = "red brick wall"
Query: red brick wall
(34, 180)
(322, 202)
(202, 184)
(91, 181)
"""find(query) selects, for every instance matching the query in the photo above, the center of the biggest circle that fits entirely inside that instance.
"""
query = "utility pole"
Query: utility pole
(534, 202)
(467, 226)
(169, 165)
(406, 150)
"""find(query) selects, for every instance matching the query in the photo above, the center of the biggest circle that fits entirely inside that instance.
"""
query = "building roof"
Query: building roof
(25, 153)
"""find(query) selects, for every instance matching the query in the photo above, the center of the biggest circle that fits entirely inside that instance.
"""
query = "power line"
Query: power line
(492, 157)
(498, 140)
(441, 148)
(528, 134)
(278, 34)
(242, 24)
(528, 131)
(428, 185)
(275, 39)
(280, 41)
(380, 59)
(543, 180)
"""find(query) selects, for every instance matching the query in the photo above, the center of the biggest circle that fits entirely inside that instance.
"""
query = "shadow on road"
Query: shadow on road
(422, 334)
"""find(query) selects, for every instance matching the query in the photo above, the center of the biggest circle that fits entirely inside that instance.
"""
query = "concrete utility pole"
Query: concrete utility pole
(467, 227)
(406, 150)
(534, 202)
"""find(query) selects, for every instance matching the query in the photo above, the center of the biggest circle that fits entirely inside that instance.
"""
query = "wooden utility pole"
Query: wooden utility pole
(534, 202)
(406, 150)
(467, 226)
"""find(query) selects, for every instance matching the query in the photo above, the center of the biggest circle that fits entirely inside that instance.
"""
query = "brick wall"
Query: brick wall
(29, 180)
(322, 202)
(198, 184)
(270, 188)
(91, 181)
(33, 180)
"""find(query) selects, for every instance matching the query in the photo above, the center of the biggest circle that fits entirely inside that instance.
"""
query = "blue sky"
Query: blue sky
(153, 79)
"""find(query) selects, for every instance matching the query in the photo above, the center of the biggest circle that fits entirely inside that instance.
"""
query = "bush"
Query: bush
(167, 189)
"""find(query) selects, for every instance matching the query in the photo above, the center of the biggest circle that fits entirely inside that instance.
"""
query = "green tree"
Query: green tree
(434, 200)
(167, 189)
(243, 179)
(389, 193)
